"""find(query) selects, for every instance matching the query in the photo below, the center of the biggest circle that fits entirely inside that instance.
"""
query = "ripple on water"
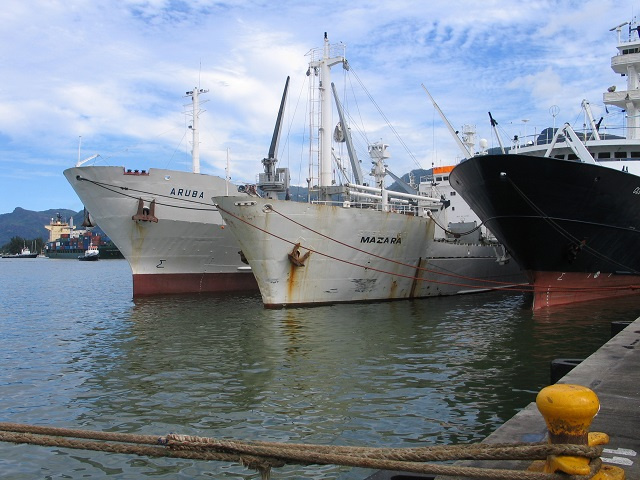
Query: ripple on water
(78, 352)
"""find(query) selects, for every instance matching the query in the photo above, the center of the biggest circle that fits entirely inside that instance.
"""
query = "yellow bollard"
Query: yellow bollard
(568, 411)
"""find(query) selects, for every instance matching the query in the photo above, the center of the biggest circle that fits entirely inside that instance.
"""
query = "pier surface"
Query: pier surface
(613, 373)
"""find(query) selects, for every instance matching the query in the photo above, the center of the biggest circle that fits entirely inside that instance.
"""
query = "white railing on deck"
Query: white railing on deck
(392, 207)
(606, 133)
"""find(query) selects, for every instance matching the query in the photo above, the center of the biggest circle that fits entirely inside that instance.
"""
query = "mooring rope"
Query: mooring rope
(562, 231)
(115, 188)
(494, 284)
(263, 456)
(451, 232)
(491, 284)
(497, 283)
(205, 206)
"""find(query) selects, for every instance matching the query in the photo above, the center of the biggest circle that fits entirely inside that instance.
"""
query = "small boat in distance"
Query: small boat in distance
(565, 203)
(24, 253)
(91, 254)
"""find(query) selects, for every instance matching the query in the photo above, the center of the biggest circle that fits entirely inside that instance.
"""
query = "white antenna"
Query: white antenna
(80, 162)
(195, 147)
(618, 29)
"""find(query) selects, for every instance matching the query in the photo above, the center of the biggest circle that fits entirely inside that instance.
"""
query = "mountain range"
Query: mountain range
(29, 225)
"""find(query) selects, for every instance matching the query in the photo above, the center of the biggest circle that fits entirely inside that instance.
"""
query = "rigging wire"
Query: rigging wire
(115, 189)
(214, 208)
(362, 131)
(457, 234)
(503, 286)
(287, 144)
(563, 231)
(498, 285)
(176, 150)
(402, 142)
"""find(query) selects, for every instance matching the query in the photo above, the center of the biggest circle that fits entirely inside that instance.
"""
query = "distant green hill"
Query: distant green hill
(29, 225)
(417, 174)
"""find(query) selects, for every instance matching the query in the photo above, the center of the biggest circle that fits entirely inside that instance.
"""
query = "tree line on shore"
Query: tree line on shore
(16, 244)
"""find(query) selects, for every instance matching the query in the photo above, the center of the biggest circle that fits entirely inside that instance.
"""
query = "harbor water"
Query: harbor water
(78, 352)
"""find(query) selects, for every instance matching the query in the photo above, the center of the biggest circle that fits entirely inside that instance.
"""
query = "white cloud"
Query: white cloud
(115, 74)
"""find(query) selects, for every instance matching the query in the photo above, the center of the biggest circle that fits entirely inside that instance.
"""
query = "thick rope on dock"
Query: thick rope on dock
(263, 456)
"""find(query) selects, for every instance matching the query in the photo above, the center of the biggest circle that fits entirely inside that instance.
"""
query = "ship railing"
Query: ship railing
(546, 137)
(406, 209)
(336, 50)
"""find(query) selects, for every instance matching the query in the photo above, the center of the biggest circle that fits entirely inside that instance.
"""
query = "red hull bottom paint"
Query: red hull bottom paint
(559, 288)
(145, 285)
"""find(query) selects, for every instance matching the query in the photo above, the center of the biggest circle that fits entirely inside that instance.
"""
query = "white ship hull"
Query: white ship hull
(354, 254)
(187, 250)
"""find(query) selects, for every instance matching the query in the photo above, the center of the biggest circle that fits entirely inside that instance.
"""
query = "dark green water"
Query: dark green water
(77, 352)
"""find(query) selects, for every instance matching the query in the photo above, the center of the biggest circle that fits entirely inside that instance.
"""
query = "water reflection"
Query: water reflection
(389, 374)
(442, 370)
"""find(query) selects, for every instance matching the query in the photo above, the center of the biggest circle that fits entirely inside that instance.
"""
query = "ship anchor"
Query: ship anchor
(145, 214)
(295, 258)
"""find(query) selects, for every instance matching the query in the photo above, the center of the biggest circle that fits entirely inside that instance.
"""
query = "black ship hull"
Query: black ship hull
(573, 227)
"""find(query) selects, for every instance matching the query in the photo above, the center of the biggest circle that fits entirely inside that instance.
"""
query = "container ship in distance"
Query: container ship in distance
(354, 242)
(164, 224)
(567, 204)
(65, 242)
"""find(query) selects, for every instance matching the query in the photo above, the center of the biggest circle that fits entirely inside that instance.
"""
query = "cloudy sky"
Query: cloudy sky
(110, 77)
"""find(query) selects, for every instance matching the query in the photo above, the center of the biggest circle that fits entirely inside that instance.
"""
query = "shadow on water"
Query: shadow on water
(442, 370)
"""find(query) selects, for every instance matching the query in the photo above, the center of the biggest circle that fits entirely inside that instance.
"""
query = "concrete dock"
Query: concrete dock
(613, 373)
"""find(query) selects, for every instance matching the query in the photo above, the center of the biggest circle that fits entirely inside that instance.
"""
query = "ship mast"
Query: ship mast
(322, 67)
(195, 146)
